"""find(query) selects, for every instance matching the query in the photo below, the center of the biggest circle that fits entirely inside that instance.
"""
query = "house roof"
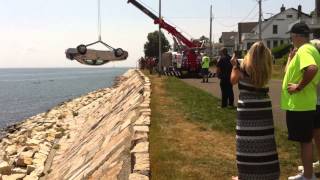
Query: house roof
(308, 15)
(228, 38)
(246, 27)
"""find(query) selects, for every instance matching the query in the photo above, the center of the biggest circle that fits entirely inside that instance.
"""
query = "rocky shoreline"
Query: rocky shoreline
(52, 145)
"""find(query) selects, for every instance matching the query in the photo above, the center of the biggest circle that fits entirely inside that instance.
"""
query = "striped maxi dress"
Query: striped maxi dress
(257, 157)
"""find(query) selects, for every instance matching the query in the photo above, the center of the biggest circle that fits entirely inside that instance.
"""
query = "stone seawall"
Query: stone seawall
(101, 135)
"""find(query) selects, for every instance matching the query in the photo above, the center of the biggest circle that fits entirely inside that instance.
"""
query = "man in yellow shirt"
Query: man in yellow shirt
(299, 95)
(205, 67)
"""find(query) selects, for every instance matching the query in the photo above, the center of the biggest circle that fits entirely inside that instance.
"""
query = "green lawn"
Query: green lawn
(187, 125)
(278, 68)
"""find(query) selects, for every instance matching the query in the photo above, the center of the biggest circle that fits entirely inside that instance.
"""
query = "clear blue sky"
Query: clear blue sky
(35, 33)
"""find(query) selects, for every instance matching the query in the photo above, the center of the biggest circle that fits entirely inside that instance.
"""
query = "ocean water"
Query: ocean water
(27, 92)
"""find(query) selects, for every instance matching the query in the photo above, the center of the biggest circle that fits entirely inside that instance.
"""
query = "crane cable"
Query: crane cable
(99, 21)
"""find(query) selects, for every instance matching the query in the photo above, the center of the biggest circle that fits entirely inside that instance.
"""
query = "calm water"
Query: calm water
(27, 92)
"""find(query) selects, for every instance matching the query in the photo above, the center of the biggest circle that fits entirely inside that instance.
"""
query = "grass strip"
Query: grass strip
(192, 138)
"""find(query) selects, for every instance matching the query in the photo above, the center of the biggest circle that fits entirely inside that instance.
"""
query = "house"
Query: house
(216, 47)
(274, 30)
(229, 40)
(315, 23)
(245, 27)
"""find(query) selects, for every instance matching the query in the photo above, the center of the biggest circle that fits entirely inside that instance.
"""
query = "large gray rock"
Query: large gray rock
(136, 176)
(5, 168)
(11, 150)
(13, 177)
(142, 147)
(27, 154)
(19, 171)
(142, 165)
(23, 161)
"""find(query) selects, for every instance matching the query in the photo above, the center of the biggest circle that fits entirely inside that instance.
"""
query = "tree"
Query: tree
(151, 47)
(204, 39)
(312, 13)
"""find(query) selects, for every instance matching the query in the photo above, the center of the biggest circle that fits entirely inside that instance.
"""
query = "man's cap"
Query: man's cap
(300, 28)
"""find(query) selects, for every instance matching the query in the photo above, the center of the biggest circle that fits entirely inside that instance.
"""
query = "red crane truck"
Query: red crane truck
(191, 62)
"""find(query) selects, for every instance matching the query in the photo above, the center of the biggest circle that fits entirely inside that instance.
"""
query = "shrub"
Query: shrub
(280, 51)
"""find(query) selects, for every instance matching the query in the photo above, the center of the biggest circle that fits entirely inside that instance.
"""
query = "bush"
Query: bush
(280, 51)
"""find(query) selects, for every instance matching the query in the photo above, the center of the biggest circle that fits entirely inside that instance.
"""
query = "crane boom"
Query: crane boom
(172, 30)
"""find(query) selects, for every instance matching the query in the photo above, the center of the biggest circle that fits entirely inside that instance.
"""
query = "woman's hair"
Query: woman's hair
(258, 64)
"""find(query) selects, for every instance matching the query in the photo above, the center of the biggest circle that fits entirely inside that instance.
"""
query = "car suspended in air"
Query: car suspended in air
(96, 57)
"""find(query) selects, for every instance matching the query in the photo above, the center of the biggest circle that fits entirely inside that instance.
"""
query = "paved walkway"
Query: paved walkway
(213, 87)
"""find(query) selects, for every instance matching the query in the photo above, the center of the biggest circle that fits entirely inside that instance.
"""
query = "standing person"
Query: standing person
(257, 157)
(316, 130)
(299, 95)
(205, 62)
(223, 70)
(151, 65)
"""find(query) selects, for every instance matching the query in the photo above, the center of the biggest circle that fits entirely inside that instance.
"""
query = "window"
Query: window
(268, 44)
(275, 29)
(289, 16)
(281, 42)
(275, 43)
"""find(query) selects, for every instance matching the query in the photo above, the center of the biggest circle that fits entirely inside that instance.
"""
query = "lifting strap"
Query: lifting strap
(99, 21)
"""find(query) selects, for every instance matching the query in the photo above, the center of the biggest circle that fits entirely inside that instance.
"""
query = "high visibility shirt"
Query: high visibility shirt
(306, 99)
(205, 62)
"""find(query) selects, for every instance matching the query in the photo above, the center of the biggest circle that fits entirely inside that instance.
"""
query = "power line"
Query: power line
(206, 18)
(243, 19)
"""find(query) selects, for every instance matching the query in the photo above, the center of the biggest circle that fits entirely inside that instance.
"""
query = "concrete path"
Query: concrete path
(213, 87)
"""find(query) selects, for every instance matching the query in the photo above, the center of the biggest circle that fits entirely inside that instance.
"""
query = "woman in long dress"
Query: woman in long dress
(257, 157)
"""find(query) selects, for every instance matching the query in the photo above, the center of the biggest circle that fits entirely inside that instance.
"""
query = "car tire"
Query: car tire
(71, 57)
(82, 49)
(118, 52)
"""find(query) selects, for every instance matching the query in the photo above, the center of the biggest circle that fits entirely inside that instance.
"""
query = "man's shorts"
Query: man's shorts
(205, 71)
(317, 118)
(300, 125)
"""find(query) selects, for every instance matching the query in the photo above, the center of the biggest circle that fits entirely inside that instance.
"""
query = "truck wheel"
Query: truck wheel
(118, 52)
(82, 49)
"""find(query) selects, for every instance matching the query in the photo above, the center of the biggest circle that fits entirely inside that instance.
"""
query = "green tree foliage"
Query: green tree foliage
(204, 39)
(312, 13)
(281, 50)
(177, 47)
(151, 47)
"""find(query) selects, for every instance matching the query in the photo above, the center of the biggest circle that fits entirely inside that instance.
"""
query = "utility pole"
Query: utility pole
(160, 60)
(211, 53)
(260, 20)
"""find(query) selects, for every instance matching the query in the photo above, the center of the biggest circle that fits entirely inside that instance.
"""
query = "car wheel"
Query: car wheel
(71, 57)
(118, 52)
(82, 49)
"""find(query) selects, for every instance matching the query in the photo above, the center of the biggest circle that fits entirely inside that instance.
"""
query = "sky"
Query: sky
(35, 33)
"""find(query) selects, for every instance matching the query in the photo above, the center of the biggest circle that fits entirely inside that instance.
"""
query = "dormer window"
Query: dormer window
(289, 15)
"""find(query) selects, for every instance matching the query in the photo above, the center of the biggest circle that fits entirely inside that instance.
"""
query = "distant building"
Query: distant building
(216, 48)
(245, 27)
(315, 23)
(230, 40)
(274, 29)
